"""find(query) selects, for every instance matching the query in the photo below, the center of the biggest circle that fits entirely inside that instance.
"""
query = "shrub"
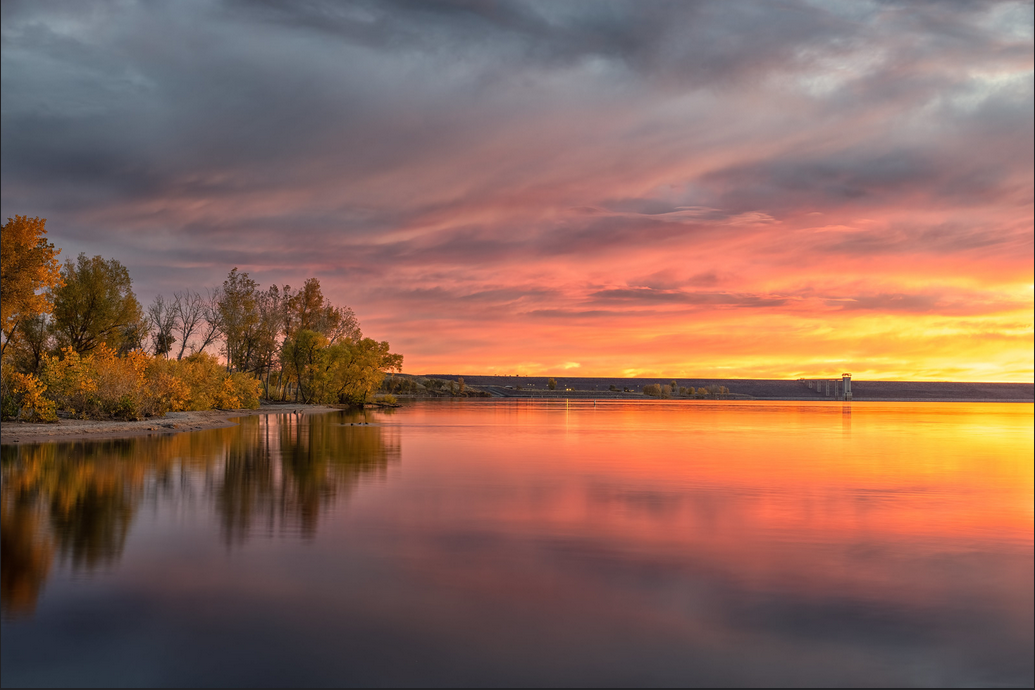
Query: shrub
(103, 384)
(71, 382)
(8, 404)
(26, 400)
(238, 390)
(166, 385)
(652, 389)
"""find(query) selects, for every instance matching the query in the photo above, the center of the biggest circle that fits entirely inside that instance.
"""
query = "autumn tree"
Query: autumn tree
(318, 347)
(345, 372)
(304, 359)
(308, 309)
(358, 367)
(33, 344)
(267, 334)
(552, 384)
(238, 308)
(29, 269)
(95, 305)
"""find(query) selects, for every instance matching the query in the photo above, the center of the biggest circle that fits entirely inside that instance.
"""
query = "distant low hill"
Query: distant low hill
(764, 389)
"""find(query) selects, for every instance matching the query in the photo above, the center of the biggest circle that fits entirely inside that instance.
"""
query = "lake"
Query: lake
(530, 542)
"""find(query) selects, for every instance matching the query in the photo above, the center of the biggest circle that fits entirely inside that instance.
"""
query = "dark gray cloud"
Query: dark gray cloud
(709, 298)
(684, 41)
(365, 137)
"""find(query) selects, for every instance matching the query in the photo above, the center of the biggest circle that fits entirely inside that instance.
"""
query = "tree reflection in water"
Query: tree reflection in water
(276, 473)
(282, 474)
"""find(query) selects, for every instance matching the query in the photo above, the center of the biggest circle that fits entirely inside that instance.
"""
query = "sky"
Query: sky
(779, 189)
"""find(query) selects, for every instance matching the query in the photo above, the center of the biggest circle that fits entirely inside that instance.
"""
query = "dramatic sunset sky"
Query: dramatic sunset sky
(694, 189)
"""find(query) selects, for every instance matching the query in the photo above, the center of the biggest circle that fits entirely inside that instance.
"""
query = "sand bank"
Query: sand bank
(173, 422)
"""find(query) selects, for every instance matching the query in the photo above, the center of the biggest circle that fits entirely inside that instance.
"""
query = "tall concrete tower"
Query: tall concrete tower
(846, 379)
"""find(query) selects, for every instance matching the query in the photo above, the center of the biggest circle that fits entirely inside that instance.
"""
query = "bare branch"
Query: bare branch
(189, 308)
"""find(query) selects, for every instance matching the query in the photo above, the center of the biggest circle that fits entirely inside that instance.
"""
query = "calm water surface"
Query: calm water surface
(525, 542)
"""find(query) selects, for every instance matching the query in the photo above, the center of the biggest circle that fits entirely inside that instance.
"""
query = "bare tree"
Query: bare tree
(162, 319)
(188, 307)
(212, 323)
(343, 325)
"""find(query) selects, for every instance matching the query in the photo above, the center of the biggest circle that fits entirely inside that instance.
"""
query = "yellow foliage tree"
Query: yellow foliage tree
(96, 306)
(28, 270)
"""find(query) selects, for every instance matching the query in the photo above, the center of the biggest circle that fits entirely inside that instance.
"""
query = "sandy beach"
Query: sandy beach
(171, 423)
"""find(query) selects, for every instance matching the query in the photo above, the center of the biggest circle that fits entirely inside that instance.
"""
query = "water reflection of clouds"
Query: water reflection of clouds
(826, 604)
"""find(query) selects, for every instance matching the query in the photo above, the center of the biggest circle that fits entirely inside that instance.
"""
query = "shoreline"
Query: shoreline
(65, 430)
(601, 397)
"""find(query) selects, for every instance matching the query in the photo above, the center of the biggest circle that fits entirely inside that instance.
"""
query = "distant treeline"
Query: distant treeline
(428, 387)
(437, 386)
(75, 339)
(675, 390)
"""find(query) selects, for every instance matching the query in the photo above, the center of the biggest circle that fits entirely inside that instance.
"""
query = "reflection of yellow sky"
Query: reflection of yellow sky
(946, 470)
(803, 500)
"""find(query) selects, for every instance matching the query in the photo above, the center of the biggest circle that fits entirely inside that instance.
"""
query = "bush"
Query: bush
(238, 390)
(201, 382)
(103, 384)
(25, 399)
(8, 405)
(652, 389)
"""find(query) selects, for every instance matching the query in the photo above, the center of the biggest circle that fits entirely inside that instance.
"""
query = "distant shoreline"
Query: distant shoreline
(749, 389)
(583, 396)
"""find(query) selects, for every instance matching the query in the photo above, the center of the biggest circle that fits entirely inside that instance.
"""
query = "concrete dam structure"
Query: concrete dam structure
(838, 389)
